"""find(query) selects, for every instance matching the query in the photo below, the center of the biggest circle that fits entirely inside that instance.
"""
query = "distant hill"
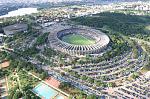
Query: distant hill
(35, 1)
(58, 1)
(113, 0)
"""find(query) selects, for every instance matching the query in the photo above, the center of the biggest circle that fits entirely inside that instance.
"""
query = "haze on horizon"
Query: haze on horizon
(57, 1)
(35, 1)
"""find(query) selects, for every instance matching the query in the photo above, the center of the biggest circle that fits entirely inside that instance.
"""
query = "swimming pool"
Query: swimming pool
(45, 91)
(60, 97)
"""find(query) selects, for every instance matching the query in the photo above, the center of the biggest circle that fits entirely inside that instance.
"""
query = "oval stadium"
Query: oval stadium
(78, 40)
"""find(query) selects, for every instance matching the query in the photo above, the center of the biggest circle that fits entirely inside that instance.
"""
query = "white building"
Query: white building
(48, 24)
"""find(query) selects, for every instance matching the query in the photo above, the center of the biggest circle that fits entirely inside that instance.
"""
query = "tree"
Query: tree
(84, 77)
(42, 39)
(135, 75)
(17, 94)
(44, 75)
(91, 97)
(91, 80)
(111, 84)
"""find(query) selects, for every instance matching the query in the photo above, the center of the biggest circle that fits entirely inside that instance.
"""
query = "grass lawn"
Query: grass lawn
(78, 39)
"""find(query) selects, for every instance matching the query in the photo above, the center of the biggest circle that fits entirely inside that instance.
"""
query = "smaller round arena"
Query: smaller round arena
(79, 40)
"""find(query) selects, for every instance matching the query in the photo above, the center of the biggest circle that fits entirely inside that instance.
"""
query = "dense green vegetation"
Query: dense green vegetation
(29, 52)
(76, 93)
(129, 25)
(20, 82)
(49, 52)
(3, 55)
(20, 64)
(42, 39)
(78, 40)
(3, 72)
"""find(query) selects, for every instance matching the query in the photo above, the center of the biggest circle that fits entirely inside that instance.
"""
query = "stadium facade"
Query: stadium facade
(58, 31)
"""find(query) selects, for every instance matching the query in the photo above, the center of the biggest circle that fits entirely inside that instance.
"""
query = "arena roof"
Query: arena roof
(15, 27)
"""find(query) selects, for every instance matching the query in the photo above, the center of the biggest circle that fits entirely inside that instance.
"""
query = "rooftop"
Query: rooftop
(4, 64)
(53, 82)
(15, 27)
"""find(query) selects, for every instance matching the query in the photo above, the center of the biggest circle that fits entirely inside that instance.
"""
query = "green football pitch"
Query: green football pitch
(78, 39)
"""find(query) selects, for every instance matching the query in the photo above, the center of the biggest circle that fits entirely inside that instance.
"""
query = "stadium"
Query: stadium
(77, 40)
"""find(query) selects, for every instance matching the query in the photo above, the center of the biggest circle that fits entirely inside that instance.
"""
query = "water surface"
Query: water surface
(20, 12)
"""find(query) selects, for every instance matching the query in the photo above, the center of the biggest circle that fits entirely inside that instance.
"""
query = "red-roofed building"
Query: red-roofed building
(52, 81)
(4, 64)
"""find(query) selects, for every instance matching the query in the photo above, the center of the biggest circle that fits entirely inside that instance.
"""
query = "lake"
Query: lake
(20, 12)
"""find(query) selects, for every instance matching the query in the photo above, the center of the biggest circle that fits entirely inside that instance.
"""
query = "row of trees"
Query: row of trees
(99, 83)
(76, 93)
